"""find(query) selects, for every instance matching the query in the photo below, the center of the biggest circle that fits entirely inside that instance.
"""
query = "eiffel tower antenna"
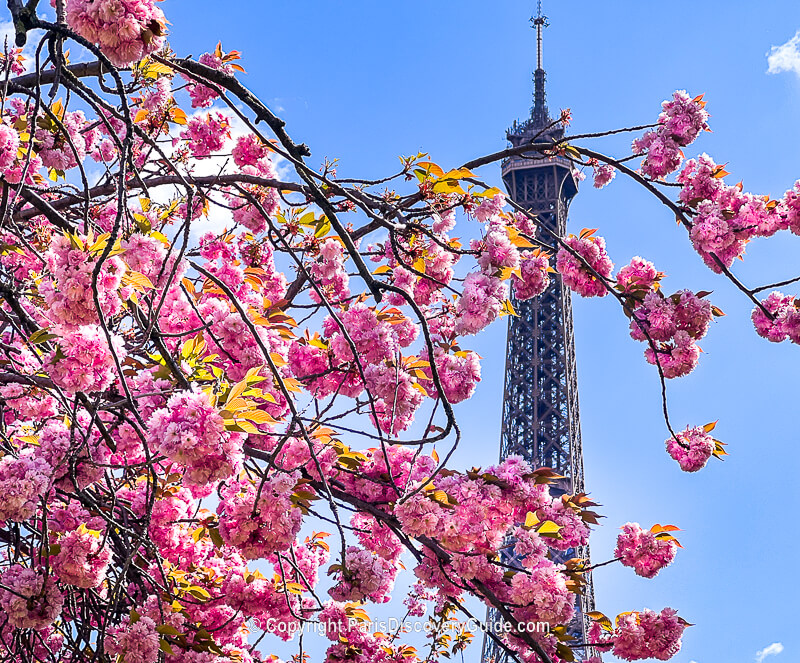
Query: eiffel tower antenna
(540, 115)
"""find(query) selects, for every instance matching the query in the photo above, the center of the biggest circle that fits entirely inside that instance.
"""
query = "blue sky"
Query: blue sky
(366, 81)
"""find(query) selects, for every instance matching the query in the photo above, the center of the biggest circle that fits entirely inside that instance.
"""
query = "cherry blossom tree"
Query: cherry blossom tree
(214, 350)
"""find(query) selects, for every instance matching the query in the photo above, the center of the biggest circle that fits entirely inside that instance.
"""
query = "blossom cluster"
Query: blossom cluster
(260, 520)
(585, 266)
(691, 448)
(779, 318)
(726, 217)
(644, 551)
(191, 432)
(648, 634)
(125, 30)
(682, 119)
(670, 325)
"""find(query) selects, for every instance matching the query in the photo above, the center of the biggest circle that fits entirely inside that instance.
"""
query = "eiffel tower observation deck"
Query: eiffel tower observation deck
(541, 417)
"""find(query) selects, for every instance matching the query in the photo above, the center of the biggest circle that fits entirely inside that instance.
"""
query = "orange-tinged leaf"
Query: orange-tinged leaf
(430, 168)
(258, 417)
(137, 280)
(664, 528)
(178, 115)
(508, 309)
(457, 173)
(517, 238)
(236, 404)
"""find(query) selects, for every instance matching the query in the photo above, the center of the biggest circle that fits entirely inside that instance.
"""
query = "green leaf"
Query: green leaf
(323, 228)
(216, 537)
(167, 629)
(41, 336)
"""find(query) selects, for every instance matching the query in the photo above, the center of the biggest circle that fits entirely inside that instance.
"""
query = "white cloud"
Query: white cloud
(776, 647)
(7, 33)
(785, 57)
(7, 37)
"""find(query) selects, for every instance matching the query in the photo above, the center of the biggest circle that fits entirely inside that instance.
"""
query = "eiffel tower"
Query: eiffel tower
(541, 418)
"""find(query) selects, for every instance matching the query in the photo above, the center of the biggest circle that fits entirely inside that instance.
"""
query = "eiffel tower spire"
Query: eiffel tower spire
(539, 112)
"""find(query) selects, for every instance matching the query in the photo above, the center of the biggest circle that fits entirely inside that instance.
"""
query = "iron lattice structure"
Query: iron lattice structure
(541, 417)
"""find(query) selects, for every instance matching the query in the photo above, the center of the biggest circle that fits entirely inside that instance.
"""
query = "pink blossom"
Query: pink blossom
(603, 174)
(206, 134)
(69, 288)
(406, 467)
(576, 274)
(648, 634)
(459, 374)
(82, 360)
(785, 320)
(700, 181)
(157, 99)
(543, 595)
(376, 336)
(329, 271)
(662, 317)
(377, 537)
(662, 154)
(534, 268)
(692, 448)
(680, 122)
(638, 277)
(644, 551)
(13, 63)
(28, 402)
(683, 118)
(573, 532)
(496, 250)
(480, 303)
(23, 483)
(674, 324)
(82, 559)
(191, 432)
(64, 518)
(395, 396)
(148, 256)
(125, 30)
(9, 144)
(35, 601)
(64, 447)
(363, 576)
(444, 221)
(249, 150)
(490, 208)
(677, 357)
(790, 207)
(64, 151)
(262, 529)
(201, 95)
(255, 217)
(134, 641)
(27, 167)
